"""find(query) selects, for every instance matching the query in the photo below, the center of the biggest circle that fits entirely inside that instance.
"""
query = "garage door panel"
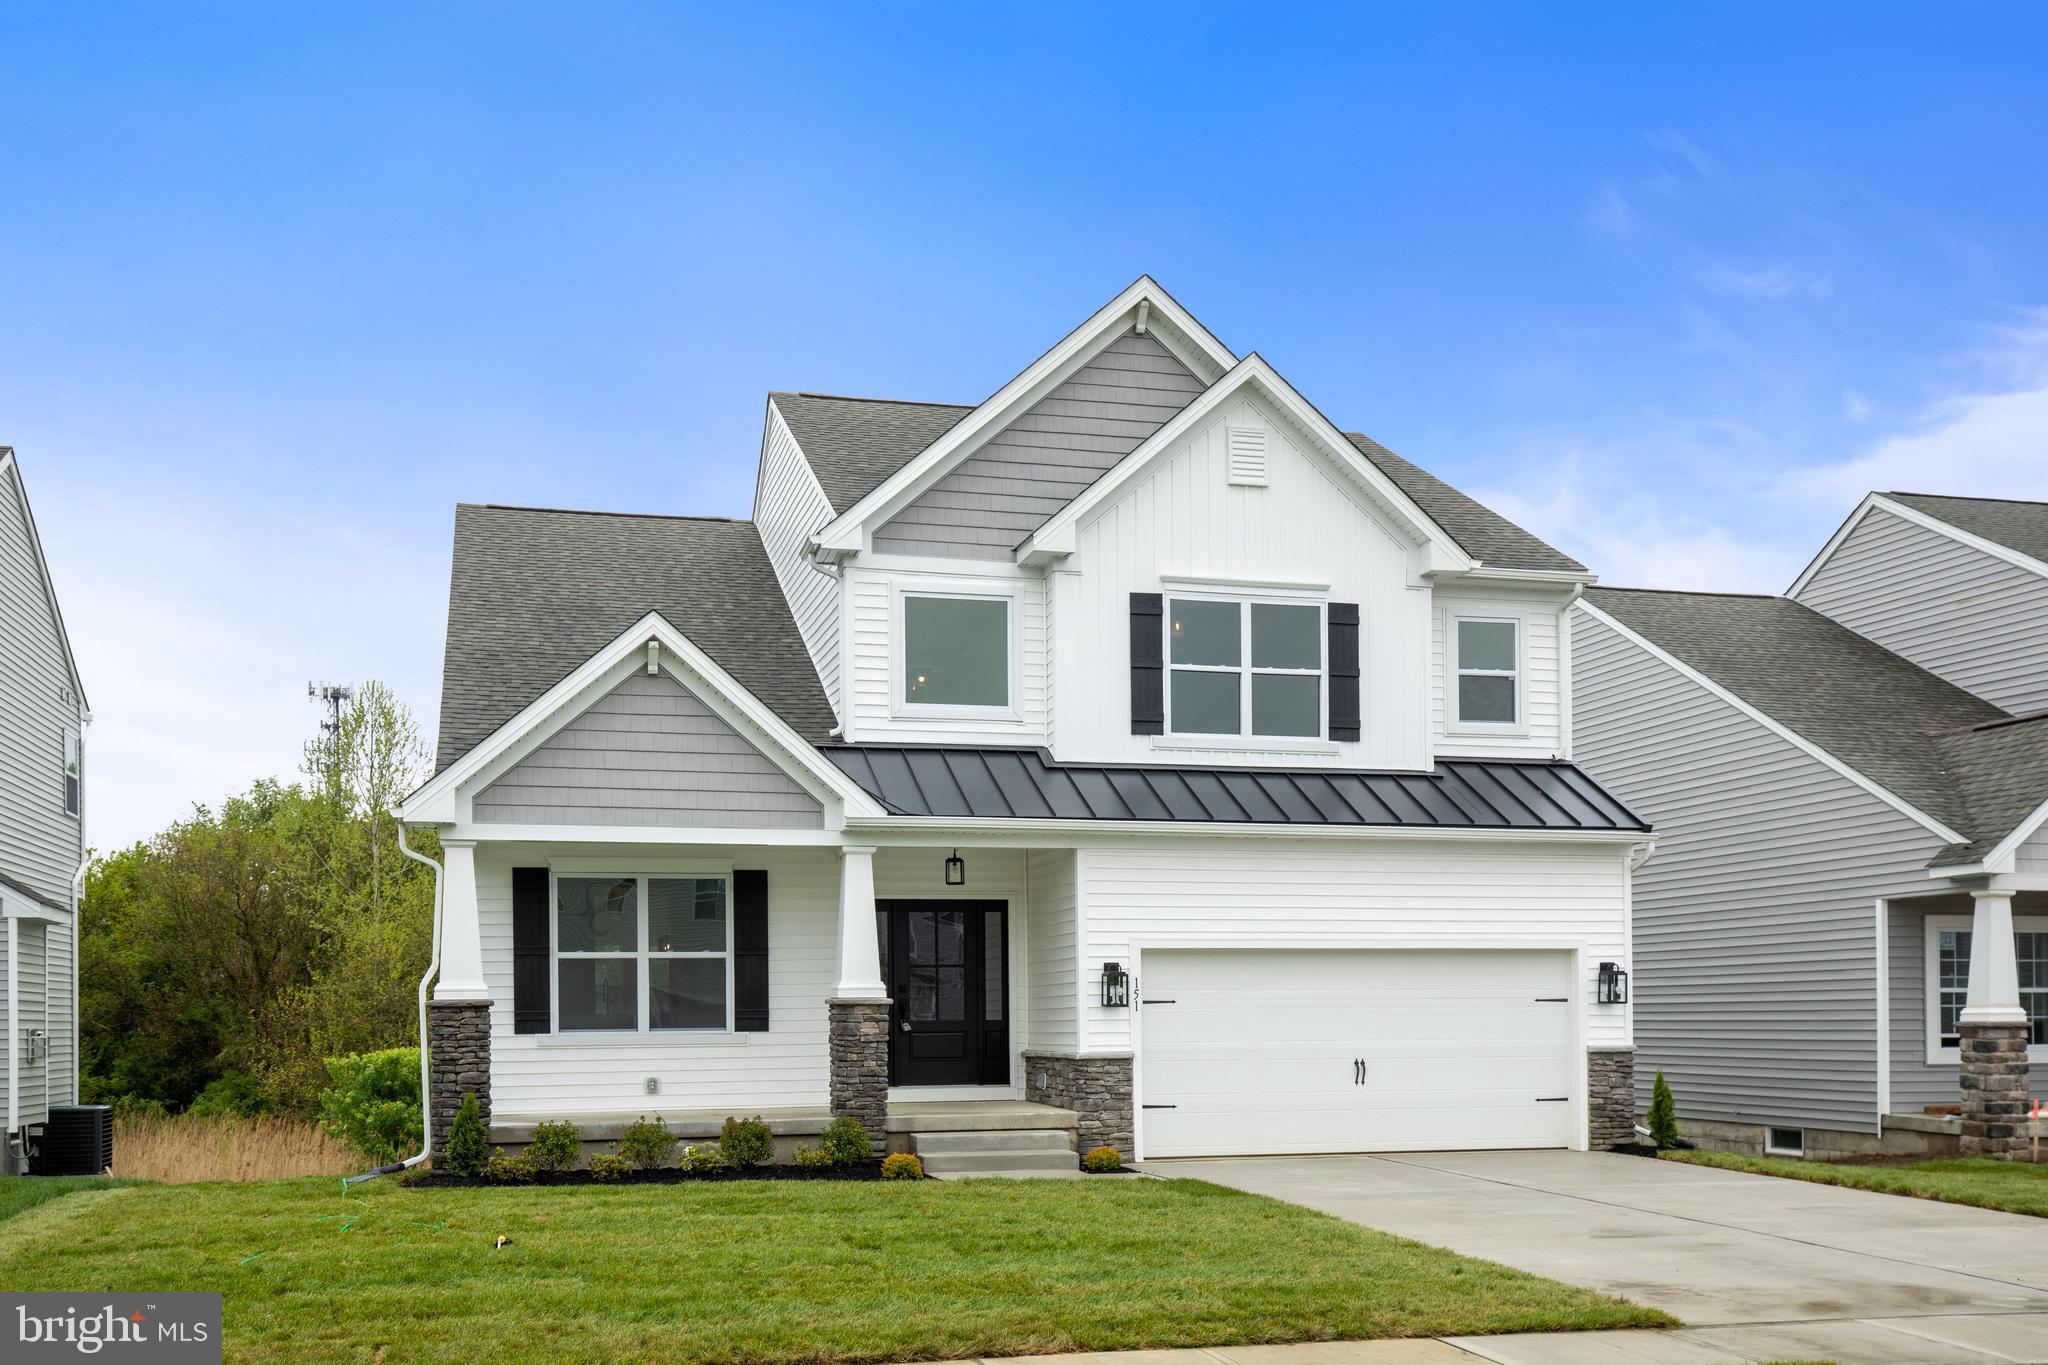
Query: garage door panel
(1257, 1051)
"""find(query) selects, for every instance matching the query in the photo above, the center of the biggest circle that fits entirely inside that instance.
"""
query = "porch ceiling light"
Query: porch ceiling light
(1613, 985)
(956, 870)
(1116, 986)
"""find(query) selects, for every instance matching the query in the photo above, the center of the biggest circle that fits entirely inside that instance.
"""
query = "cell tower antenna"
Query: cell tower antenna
(333, 696)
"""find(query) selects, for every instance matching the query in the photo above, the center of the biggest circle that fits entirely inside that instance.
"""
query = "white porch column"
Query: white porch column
(860, 956)
(462, 942)
(1994, 990)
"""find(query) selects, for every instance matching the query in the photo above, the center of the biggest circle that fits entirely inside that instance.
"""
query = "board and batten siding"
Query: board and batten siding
(649, 753)
(1035, 466)
(40, 845)
(1183, 519)
(1969, 617)
(873, 677)
(1327, 894)
(1755, 979)
(1053, 959)
(1541, 731)
(788, 507)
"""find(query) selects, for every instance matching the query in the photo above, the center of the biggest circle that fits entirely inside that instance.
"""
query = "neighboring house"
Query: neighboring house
(1134, 751)
(42, 817)
(1849, 785)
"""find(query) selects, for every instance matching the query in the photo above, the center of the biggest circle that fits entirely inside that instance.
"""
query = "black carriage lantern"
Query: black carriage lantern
(1116, 986)
(956, 870)
(1613, 984)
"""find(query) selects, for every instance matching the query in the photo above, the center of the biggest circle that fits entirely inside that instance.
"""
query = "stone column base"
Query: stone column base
(458, 1064)
(1098, 1089)
(1610, 1097)
(1994, 1088)
(860, 1062)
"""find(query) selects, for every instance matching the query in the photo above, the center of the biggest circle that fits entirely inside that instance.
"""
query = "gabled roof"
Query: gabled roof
(2021, 526)
(1939, 749)
(1483, 533)
(855, 443)
(535, 592)
(49, 584)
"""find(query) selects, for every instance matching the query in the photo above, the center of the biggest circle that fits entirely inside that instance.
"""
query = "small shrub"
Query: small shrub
(606, 1167)
(813, 1158)
(373, 1103)
(468, 1143)
(745, 1142)
(647, 1144)
(1103, 1159)
(902, 1166)
(846, 1141)
(1663, 1116)
(555, 1146)
(237, 1095)
(703, 1158)
(508, 1170)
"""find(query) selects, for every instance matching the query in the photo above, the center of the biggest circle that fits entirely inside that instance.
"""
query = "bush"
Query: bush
(238, 1095)
(902, 1166)
(1103, 1159)
(703, 1158)
(605, 1167)
(469, 1146)
(555, 1146)
(508, 1170)
(374, 1103)
(813, 1158)
(1663, 1117)
(648, 1144)
(745, 1142)
(846, 1141)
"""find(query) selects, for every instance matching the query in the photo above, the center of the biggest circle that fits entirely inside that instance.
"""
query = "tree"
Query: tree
(1663, 1117)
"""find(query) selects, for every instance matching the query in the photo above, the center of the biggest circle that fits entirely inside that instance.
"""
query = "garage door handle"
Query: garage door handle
(1358, 1071)
(1553, 1099)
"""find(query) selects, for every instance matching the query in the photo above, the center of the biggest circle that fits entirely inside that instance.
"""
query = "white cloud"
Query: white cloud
(1766, 282)
(1674, 149)
(1609, 214)
(1855, 406)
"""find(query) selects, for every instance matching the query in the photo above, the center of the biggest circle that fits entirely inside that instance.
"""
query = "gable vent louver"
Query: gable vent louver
(1248, 456)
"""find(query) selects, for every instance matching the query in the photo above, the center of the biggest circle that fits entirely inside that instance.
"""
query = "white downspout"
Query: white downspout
(426, 980)
(77, 951)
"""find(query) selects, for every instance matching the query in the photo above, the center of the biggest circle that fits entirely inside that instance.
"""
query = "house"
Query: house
(1132, 756)
(1846, 923)
(42, 817)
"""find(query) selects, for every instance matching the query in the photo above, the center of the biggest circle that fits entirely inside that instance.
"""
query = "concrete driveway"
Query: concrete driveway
(1787, 1266)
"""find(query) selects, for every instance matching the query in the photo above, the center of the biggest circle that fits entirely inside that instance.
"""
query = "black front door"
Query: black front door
(947, 969)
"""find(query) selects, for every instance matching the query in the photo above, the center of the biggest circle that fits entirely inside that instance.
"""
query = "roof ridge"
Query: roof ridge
(1998, 724)
(594, 512)
(1964, 497)
(861, 398)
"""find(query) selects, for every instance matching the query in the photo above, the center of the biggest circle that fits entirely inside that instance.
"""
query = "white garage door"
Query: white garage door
(1257, 1052)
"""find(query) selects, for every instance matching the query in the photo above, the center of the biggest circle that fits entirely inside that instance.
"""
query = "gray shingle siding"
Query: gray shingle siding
(40, 845)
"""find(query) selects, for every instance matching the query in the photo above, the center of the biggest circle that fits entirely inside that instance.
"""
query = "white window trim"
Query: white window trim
(1245, 737)
(643, 955)
(74, 744)
(1454, 721)
(899, 658)
(1930, 981)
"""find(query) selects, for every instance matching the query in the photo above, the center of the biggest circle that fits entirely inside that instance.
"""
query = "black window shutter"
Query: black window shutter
(1148, 669)
(750, 951)
(1344, 670)
(530, 1005)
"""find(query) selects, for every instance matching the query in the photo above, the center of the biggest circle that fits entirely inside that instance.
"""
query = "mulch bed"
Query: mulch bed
(673, 1175)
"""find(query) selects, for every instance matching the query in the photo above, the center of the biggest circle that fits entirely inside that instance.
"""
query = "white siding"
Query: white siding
(63, 1067)
(872, 680)
(1052, 964)
(1185, 519)
(29, 979)
(788, 507)
(1755, 941)
(649, 753)
(39, 844)
(1975, 620)
(1541, 733)
(1327, 894)
(2032, 854)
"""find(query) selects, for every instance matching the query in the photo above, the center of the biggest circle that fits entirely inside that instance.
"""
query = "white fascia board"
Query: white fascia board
(938, 831)
(35, 544)
(1849, 523)
(1486, 575)
(437, 802)
(844, 535)
(2005, 857)
(1056, 537)
(651, 835)
(1790, 736)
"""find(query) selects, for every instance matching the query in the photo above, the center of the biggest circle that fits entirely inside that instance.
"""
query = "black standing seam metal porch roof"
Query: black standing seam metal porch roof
(978, 783)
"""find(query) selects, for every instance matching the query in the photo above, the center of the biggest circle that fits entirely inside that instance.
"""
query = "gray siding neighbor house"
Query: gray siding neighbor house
(1849, 785)
(42, 842)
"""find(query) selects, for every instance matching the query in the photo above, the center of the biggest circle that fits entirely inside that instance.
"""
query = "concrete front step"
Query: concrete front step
(1039, 1162)
(1030, 1140)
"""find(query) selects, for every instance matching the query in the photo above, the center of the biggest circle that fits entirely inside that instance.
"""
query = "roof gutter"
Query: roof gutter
(935, 829)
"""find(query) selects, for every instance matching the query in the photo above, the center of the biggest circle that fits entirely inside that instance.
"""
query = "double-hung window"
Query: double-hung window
(1948, 980)
(642, 954)
(1245, 667)
(1489, 670)
(74, 769)
(956, 651)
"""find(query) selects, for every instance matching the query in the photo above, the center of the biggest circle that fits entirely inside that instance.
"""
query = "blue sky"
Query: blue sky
(278, 285)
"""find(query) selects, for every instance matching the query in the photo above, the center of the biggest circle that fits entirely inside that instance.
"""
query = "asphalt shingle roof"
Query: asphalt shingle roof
(2021, 526)
(23, 888)
(1483, 533)
(535, 592)
(1935, 746)
(855, 443)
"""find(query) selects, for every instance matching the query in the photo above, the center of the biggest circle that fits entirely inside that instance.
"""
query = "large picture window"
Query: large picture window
(1948, 980)
(1246, 668)
(956, 651)
(642, 953)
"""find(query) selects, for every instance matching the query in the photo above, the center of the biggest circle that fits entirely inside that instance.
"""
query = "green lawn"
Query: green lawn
(773, 1272)
(19, 1195)
(2014, 1186)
